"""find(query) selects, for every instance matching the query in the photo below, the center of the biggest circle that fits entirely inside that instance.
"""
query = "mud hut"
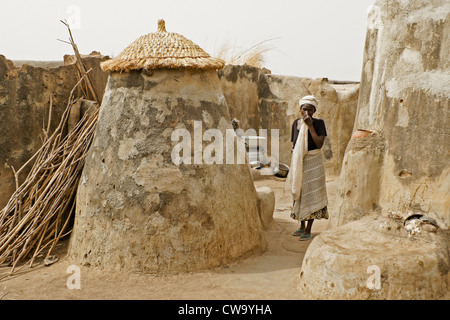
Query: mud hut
(400, 170)
(139, 210)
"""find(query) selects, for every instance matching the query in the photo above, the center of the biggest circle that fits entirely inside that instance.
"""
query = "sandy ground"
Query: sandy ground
(272, 275)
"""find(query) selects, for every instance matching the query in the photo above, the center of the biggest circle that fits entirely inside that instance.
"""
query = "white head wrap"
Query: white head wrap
(309, 100)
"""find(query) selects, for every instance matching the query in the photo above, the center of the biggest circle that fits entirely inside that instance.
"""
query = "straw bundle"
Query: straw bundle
(161, 50)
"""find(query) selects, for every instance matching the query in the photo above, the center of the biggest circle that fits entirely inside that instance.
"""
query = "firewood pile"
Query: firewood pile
(40, 212)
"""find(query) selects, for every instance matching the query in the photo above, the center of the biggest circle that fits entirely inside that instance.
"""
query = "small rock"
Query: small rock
(51, 260)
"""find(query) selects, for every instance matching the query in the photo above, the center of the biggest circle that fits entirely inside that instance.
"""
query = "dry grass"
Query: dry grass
(253, 56)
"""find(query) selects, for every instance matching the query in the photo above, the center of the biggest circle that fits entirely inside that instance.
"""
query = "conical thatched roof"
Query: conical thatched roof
(161, 50)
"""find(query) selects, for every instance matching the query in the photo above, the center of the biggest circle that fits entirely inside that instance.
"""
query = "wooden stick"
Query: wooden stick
(79, 61)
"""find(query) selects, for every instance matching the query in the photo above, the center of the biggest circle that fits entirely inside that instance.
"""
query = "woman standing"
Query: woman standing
(306, 179)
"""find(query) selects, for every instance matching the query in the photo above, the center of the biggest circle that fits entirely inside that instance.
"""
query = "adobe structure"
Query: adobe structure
(138, 210)
(389, 237)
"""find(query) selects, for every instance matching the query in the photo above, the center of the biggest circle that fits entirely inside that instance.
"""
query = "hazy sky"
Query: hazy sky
(315, 38)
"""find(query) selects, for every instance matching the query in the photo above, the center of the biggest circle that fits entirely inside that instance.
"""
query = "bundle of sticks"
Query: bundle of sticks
(39, 212)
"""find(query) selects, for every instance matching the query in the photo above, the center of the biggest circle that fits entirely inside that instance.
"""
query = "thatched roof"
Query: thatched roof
(162, 50)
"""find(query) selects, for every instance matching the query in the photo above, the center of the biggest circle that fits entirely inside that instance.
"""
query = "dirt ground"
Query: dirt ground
(272, 275)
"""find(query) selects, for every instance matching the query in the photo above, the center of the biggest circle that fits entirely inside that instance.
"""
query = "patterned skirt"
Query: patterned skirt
(313, 200)
(319, 214)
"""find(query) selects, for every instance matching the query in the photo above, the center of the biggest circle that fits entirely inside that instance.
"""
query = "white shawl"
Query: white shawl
(295, 176)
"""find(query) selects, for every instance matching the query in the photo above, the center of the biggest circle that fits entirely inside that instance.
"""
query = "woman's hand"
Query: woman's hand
(307, 119)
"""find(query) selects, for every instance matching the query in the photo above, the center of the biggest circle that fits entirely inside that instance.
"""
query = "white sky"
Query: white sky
(313, 38)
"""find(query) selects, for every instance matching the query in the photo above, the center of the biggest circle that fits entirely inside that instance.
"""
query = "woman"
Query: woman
(306, 179)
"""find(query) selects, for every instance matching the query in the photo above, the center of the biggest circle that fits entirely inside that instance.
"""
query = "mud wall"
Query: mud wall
(404, 98)
(254, 96)
(260, 100)
(25, 95)
(136, 209)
